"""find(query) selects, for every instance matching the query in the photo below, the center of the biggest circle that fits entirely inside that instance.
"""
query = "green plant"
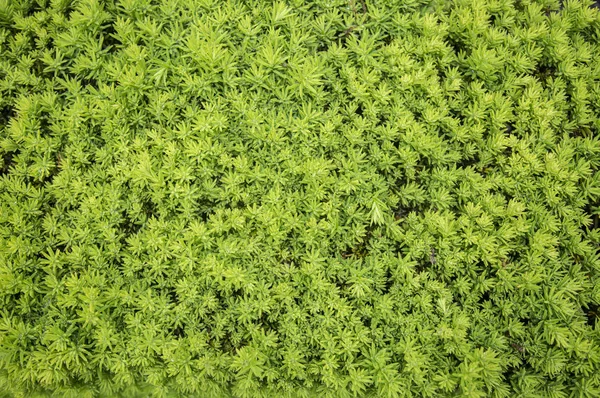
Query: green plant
(329, 198)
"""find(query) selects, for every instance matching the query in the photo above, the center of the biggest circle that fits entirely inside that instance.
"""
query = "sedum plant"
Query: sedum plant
(335, 198)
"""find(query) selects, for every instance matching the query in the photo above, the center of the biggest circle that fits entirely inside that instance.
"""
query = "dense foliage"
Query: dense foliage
(339, 198)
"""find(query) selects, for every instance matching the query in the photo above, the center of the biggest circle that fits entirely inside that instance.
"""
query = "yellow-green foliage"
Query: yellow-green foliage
(338, 198)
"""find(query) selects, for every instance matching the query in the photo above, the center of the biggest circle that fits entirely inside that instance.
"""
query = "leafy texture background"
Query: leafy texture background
(331, 198)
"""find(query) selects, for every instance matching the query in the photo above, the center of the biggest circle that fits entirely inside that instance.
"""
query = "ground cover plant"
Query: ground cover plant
(338, 198)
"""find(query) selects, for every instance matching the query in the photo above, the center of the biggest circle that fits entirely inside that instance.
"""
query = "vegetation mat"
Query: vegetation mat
(334, 198)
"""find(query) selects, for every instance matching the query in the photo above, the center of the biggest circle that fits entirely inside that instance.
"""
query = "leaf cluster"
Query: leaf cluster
(329, 198)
